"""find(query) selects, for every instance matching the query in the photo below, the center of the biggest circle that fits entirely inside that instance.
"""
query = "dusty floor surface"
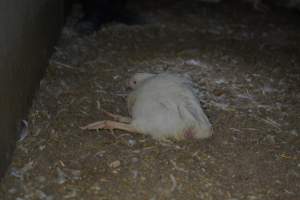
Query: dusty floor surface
(246, 67)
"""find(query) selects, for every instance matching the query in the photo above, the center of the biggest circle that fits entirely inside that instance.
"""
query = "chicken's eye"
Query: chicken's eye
(134, 82)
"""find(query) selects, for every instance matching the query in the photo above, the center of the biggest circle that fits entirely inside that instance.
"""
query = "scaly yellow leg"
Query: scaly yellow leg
(110, 125)
(117, 117)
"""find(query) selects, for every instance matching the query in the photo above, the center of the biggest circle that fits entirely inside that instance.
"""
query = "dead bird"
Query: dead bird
(163, 106)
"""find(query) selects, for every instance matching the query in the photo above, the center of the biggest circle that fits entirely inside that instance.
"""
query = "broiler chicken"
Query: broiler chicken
(163, 106)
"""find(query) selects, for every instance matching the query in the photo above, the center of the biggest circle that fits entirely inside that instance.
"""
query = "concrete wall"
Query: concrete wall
(28, 30)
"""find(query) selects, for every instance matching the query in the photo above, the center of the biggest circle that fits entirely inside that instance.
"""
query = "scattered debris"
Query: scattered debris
(131, 142)
(178, 168)
(174, 183)
(23, 130)
(22, 172)
(115, 164)
(61, 176)
(272, 123)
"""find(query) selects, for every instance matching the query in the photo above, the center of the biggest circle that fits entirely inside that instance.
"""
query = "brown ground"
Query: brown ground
(246, 66)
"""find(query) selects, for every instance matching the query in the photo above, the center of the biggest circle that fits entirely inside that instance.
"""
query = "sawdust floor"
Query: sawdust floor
(246, 67)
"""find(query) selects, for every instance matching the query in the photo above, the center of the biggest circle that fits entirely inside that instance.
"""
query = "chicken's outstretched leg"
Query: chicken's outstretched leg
(110, 125)
(117, 117)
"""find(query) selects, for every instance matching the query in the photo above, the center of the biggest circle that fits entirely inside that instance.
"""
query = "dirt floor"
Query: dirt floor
(245, 65)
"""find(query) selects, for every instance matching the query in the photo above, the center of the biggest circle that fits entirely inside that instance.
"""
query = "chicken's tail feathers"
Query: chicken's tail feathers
(196, 114)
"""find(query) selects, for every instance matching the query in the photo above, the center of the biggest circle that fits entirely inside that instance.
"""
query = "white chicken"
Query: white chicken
(163, 106)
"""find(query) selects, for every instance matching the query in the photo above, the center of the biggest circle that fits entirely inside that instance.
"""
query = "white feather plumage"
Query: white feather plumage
(164, 105)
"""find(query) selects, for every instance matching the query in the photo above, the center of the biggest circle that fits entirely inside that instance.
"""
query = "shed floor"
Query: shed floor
(246, 66)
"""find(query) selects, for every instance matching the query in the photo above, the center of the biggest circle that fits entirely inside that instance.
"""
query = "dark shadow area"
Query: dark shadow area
(28, 33)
